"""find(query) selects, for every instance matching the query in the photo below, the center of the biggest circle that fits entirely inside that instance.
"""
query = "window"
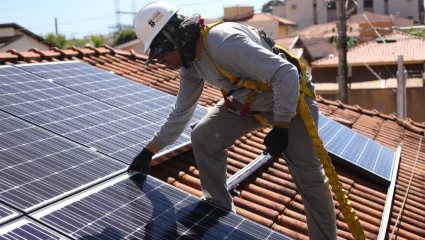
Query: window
(368, 3)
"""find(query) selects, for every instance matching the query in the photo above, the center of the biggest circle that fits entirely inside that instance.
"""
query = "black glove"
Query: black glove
(141, 162)
(276, 141)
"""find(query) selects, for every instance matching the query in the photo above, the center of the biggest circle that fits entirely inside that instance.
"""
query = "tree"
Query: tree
(58, 40)
(420, 32)
(97, 40)
(268, 7)
(125, 35)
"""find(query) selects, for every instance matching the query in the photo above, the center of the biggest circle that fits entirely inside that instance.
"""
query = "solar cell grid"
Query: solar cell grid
(143, 101)
(143, 207)
(25, 228)
(79, 117)
(38, 167)
(356, 149)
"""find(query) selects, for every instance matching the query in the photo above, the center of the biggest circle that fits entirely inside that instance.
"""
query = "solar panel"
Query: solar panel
(38, 167)
(120, 92)
(81, 118)
(356, 149)
(140, 207)
(25, 228)
(7, 214)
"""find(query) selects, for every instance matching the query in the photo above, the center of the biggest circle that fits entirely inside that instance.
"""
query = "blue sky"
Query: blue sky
(84, 17)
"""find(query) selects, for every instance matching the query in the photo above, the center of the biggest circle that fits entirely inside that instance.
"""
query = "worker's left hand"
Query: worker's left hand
(141, 162)
(276, 141)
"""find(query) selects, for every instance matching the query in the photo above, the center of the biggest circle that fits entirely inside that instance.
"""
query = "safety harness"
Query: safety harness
(303, 111)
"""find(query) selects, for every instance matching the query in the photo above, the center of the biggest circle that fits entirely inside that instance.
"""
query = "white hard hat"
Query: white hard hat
(149, 21)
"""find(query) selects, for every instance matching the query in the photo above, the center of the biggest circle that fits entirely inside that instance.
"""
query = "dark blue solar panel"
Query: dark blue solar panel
(76, 116)
(355, 148)
(38, 167)
(135, 98)
(142, 207)
(25, 228)
(7, 214)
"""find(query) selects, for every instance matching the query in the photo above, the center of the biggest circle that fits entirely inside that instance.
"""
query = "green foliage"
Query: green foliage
(57, 40)
(77, 42)
(125, 35)
(268, 7)
(97, 40)
(420, 32)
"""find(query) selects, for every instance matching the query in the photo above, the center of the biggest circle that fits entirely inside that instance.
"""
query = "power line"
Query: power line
(73, 21)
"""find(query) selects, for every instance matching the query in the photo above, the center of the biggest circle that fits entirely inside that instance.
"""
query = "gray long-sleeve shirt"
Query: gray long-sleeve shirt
(240, 51)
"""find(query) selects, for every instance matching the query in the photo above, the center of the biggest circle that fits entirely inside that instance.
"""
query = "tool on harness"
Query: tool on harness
(303, 111)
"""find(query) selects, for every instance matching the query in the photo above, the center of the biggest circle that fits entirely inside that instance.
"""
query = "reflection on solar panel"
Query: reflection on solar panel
(135, 98)
(74, 115)
(38, 167)
(356, 149)
(139, 207)
(7, 214)
(25, 228)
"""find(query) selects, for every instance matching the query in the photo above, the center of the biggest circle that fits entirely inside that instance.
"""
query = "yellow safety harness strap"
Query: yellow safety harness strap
(347, 210)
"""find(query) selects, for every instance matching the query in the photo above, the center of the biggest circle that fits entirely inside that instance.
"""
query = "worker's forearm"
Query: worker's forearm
(152, 148)
(281, 124)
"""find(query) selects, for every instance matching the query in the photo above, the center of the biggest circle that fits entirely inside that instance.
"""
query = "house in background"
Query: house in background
(376, 59)
(310, 12)
(13, 36)
(276, 27)
(320, 39)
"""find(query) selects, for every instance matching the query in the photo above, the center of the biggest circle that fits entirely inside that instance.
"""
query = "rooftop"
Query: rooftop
(376, 52)
(269, 196)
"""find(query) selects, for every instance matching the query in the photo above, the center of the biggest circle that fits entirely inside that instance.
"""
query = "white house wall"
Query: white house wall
(24, 44)
(303, 13)
(405, 7)
(7, 32)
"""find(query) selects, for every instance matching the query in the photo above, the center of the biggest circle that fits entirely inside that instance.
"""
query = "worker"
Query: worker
(175, 40)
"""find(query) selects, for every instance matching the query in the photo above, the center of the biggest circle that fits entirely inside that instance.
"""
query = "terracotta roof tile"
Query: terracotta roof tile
(269, 196)
(375, 53)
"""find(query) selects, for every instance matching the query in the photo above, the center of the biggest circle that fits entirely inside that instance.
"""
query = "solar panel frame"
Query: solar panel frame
(7, 214)
(39, 167)
(77, 116)
(26, 228)
(355, 150)
(138, 206)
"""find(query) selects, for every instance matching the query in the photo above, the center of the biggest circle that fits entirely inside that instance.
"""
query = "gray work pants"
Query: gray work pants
(219, 129)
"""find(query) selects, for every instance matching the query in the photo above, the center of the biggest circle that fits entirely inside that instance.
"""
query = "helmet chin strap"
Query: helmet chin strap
(179, 49)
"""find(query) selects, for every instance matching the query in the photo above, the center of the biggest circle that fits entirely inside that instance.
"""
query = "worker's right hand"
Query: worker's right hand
(141, 162)
(276, 141)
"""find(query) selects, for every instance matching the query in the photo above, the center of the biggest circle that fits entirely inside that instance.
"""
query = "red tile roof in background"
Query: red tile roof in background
(376, 52)
(269, 196)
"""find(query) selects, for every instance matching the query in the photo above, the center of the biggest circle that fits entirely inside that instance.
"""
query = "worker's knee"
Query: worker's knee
(200, 134)
(206, 135)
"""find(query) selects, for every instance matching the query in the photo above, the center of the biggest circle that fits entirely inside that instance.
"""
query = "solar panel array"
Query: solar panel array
(140, 207)
(66, 130)
(76, 116)
(38, 167)
(356, 149)
(137, 99)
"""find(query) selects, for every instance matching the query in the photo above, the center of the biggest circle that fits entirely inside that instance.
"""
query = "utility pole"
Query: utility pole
(342, 51)
(56, 26)
(401, 89)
